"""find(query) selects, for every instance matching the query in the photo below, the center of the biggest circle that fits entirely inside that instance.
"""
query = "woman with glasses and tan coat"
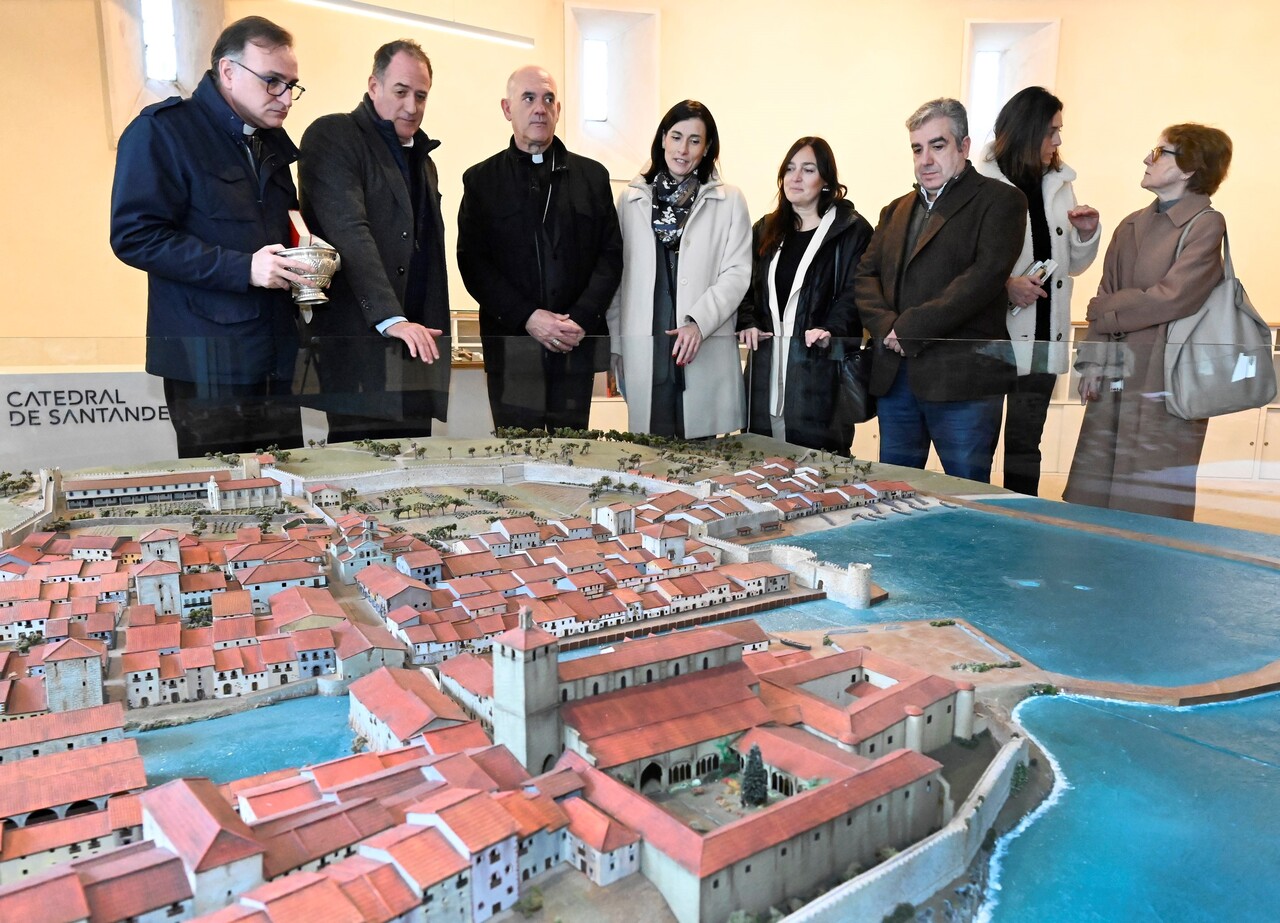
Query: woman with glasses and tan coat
(1132, 453)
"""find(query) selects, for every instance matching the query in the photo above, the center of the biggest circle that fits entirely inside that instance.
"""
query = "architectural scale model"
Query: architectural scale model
(738, 777)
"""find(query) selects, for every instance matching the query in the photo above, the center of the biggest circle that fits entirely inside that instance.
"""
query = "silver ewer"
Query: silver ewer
(324, 262)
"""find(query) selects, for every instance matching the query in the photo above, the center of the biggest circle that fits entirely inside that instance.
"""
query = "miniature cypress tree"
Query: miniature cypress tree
(755, 784)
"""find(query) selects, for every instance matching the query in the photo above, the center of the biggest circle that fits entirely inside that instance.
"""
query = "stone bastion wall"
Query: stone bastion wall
(920, 871)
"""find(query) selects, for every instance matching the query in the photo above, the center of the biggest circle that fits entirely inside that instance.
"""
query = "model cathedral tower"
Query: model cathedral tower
(526, 684)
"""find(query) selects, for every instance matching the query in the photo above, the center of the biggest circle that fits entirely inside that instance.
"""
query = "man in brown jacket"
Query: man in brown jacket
(930, 289)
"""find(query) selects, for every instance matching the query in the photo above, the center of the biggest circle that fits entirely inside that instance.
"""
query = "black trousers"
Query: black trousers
(237, 418)
(1026, 408)
(525, 398)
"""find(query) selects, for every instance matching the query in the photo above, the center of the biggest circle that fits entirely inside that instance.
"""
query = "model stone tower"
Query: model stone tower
(526, 682)
(73, 676)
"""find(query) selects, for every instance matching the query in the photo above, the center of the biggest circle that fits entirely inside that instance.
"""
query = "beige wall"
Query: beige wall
(770, 71)
(855, 71)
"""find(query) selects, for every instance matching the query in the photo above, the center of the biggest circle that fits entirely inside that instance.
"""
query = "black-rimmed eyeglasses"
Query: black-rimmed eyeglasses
(275, 86)
(1156, 152)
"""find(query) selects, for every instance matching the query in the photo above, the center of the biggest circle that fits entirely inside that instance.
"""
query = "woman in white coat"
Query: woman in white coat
(686, 263)
(1028, 132)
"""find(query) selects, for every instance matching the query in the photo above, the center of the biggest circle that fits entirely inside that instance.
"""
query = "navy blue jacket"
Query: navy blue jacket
(187, 209)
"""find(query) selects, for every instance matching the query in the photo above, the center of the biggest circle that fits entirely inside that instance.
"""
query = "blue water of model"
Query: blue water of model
(1166, 815)
(1259, 543)
(299, 732)
(1072, 602)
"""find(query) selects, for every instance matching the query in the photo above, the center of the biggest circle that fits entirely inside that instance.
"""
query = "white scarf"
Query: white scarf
(784, 320)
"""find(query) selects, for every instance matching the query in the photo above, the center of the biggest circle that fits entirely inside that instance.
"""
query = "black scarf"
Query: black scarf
(672, 202)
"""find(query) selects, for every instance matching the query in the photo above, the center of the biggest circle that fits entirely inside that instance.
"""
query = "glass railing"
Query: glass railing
(87, 405)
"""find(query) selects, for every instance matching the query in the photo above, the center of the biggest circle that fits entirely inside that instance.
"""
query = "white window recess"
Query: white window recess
(610, 90)
(1001, 58)
(125, 57)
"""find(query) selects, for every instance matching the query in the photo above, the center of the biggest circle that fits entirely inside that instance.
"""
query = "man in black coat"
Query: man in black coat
(540, 251)
(201, 203)
(930, 289)
(369, 188)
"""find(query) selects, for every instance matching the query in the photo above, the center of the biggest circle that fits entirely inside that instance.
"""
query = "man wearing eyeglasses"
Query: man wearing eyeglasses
(201, 203)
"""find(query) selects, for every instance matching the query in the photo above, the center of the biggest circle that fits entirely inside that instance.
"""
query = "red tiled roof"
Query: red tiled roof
(423, 852)
(127, 883)
(500, 764)
(460, 771)
(55, 896)
(375, 888)
(405, 700)
(20, 842)
(358, 637)
(57, 725)
(209, 580)
(595, 828)
(276, 573)
(235, 602)
(313, 639)
(532, 812)
(474, 817)
(234, 628)
(278, 650)
(70, 775)
(200, 824)
(153, 637)
(148, 480)
(71, 649)
(475, 674)
(24, 696)
(455, 739)
(643, 720)
(463, 565)
(280, 796)
(337, 772)
(649, 650)
(303, 896)
(248, 483)
(705, 854)
(427, 557)
(155, 569)
(557, 783)
(801, 754)
(747, 631)
(861, 717)
(525, 639)
(304, 835)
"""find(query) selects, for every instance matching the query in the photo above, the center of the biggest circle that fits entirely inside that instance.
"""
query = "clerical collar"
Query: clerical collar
(248, 129)
(537, 158)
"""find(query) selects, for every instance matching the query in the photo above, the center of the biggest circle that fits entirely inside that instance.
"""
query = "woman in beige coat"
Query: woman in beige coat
(1132, 453)
(686, 263)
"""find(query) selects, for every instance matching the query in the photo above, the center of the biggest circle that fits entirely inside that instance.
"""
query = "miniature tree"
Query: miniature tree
(755, 784)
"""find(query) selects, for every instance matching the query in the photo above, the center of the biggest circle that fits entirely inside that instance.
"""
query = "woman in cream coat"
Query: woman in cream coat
(686, 264)
(1025, 154)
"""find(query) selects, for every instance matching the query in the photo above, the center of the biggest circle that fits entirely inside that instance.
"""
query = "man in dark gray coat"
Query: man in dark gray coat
(369, 187)
(540, 251)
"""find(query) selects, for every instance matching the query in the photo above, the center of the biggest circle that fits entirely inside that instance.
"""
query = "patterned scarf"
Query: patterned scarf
(672, 202)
